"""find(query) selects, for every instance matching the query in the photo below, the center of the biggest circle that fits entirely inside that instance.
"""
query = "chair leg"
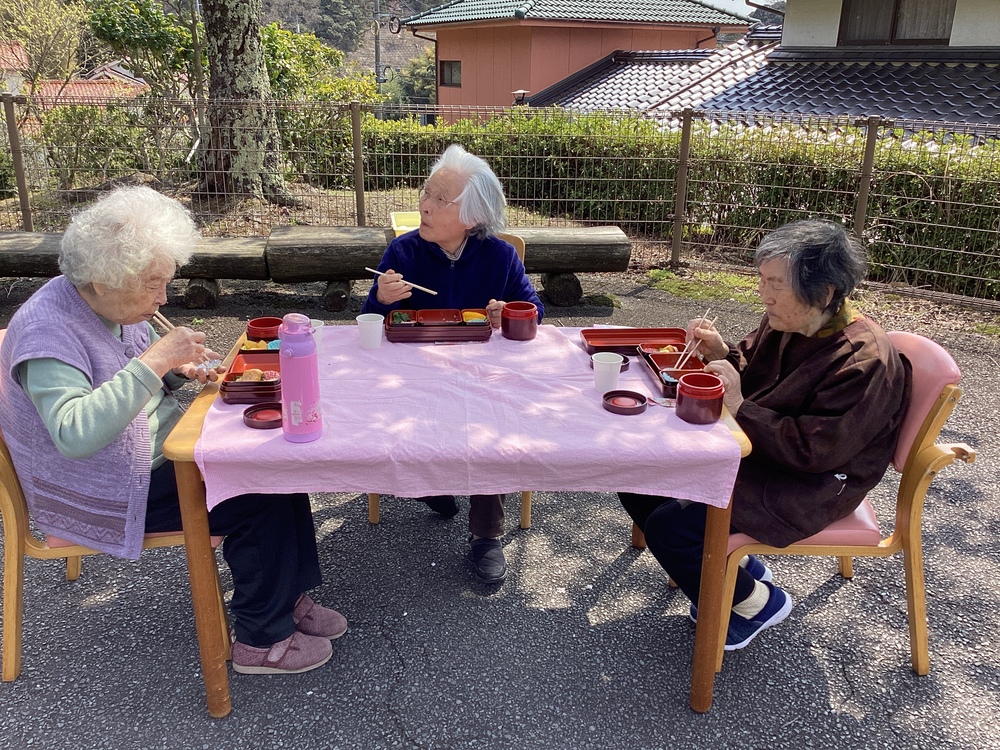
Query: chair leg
(13, 607)
(73, 567)
(916, 605)
(638, 538)
(223, 616)
(846, 565)
(526, 509)
(728, 591)
(373, 509)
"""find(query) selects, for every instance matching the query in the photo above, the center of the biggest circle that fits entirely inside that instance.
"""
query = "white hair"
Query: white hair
(481, 203)
(125, 233)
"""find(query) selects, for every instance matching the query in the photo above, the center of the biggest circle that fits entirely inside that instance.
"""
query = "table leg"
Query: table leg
(707, 632)
(204, 587)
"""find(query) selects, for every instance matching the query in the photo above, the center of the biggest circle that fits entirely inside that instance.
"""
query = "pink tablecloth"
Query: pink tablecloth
(500, 416)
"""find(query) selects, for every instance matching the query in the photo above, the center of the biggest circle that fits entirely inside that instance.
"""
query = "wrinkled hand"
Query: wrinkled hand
(733, 397)
(712, 346)
(392, 288)
(201, 373)
(495, 309)
(180, 350)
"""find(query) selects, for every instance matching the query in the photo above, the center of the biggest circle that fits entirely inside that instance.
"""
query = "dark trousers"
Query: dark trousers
(270, 548)
(486, 515)
(675, 534)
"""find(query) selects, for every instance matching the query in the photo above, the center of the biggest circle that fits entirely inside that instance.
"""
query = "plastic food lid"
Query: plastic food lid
(625, 402)
(519, 310)
(704, 385)
(295, 324)
(264, 416)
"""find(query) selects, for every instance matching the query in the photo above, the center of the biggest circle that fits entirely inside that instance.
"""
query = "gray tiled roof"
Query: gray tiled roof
(622, 80)
(639, 11)
(905, 91)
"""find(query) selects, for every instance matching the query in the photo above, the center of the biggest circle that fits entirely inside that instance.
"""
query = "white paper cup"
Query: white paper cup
(370, 330)
(317, 332)
(607, 367)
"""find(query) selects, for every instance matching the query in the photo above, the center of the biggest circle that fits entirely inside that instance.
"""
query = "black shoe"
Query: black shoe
(488, 560)
(443, 504)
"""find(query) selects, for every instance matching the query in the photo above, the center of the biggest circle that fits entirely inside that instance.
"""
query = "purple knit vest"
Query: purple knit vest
(99, 502)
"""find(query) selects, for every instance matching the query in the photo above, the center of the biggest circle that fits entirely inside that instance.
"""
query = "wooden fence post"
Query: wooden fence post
(867, 169)
(16, 156)
(680, 200)
(359, 165)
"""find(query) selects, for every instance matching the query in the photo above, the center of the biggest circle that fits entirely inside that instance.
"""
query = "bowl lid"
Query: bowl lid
(265, 416)
(625, 402)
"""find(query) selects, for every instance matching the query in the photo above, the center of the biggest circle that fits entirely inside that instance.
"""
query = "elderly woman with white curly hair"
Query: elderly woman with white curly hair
(456, 253)
(87, 400)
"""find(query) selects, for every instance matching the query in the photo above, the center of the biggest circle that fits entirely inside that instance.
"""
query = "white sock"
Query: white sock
(753, 604)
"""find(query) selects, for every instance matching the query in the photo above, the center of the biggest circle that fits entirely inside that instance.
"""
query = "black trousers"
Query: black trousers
(270, 548)
(486, 516)
(675, 534)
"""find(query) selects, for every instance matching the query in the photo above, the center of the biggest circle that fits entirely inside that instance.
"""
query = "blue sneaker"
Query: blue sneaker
(742, 630)
(755, 568)
(758, 570)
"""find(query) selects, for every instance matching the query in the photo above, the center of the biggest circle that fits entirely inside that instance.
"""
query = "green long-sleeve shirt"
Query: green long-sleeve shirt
(82, 419)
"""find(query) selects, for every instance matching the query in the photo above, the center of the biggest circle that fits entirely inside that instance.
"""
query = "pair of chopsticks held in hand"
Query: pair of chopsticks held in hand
(689, 350)
(167, 326)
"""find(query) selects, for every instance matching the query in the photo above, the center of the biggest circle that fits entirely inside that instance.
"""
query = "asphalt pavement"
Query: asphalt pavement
(583, 646)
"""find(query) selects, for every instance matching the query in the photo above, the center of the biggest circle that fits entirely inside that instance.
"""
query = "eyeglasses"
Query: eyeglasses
(436, 200)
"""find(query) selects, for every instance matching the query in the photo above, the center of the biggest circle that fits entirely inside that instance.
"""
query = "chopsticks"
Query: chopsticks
(689, 352)
(415, 286)
(165, 324)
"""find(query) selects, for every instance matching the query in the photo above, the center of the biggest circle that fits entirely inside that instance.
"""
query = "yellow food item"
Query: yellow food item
(252, 374)
(669, 348)
(248, 344)
(473, 317)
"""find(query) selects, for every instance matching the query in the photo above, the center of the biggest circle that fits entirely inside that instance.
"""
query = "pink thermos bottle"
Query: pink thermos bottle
(301, 421)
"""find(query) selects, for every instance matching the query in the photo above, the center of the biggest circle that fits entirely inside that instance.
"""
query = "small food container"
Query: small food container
(519, 321)
(475, 317)
(401, 318)
(266, 416)
(263, 329)
(439, 317)
(699, 397)
(625, 402)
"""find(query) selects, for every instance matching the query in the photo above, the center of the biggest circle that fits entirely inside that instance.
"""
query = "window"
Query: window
(896, 21)
(451, 73)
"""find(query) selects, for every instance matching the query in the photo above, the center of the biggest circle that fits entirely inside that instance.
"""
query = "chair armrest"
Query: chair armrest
(962, 452)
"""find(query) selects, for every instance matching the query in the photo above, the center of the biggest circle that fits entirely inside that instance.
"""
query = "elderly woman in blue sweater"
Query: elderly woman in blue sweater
(456, 253)
(87, 400)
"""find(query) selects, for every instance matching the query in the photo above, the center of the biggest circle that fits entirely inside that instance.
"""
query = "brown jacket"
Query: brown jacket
(822, 413)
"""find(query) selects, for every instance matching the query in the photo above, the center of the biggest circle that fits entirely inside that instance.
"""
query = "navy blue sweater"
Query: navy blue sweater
(487, 269)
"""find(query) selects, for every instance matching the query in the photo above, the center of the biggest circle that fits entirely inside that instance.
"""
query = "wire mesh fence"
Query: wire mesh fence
(685, 187)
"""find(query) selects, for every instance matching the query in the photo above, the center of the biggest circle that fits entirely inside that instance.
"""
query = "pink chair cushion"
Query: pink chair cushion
(858, 529)
(55, 542)
(933, 369)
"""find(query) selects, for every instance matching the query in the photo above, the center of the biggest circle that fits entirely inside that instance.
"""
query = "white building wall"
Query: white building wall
(813, 23)
(977, 24)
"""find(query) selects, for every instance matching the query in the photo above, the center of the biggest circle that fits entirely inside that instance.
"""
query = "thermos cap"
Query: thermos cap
(295, 324)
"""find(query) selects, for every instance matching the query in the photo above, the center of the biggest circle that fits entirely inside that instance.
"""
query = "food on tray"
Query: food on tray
(253, 374)
(400, 316)
(248, 344)
(473, 317)
(270, 375)
(669, 348)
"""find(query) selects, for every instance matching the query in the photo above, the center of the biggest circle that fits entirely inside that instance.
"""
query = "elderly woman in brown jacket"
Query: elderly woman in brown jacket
(820, 392)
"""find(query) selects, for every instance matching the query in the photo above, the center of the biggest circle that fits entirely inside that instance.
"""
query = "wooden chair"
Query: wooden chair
(19, 542)
(919, 459)
(373, 497)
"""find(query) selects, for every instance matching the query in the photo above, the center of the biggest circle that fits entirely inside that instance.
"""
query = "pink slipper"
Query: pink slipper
(312, 619)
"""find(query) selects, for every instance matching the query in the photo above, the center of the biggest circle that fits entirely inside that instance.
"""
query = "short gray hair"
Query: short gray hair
(114, 241)
(481, 202)
(821, 255)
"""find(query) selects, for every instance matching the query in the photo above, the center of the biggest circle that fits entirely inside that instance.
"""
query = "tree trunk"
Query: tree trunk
(243, 156)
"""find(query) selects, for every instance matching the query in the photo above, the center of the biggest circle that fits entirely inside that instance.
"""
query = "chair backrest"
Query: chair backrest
(516, 242)
(932, 396)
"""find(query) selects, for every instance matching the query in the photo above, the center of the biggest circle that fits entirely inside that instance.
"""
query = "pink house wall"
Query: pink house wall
(499, 59)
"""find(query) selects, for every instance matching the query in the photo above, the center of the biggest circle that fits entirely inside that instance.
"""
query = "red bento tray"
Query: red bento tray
(626, 340)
